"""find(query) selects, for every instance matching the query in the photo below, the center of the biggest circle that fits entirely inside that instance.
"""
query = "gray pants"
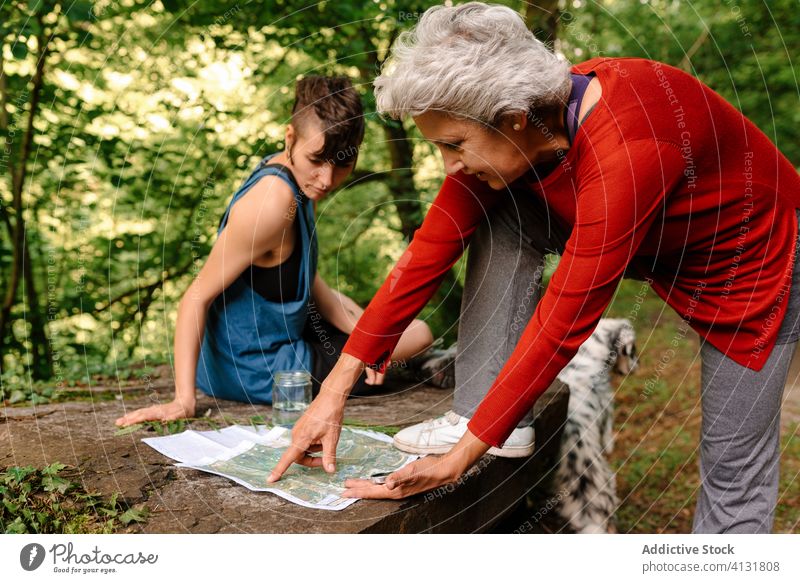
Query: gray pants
(739, 449)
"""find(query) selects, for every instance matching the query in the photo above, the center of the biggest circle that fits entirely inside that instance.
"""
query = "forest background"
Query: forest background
(126, 127)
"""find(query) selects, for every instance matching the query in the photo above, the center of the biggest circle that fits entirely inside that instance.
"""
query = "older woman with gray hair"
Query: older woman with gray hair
(625, 167)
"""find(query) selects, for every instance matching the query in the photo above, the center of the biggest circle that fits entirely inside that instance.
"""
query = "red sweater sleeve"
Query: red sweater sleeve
(460, 206)
(618, 199)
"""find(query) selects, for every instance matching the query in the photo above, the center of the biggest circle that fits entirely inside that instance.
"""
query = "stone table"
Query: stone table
(82, 434)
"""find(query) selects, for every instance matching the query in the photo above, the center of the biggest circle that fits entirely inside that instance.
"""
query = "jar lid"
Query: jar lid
(292, 377)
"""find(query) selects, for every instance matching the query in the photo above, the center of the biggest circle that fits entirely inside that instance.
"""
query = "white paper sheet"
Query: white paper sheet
(247, 454)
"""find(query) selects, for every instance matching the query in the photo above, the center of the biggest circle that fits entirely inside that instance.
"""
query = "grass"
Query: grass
(787, 515)
(657, 425)
(46, 501)
(206, 423)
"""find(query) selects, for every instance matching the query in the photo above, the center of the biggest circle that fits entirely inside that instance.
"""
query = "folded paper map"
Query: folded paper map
(246, 455)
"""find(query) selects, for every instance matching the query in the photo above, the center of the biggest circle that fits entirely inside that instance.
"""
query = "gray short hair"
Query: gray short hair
(477, 61)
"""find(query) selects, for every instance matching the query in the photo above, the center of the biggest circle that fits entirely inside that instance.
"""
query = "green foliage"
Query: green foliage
(151, 114)
(159, 427)
(74, 380)
(740, 48)
(44, 501)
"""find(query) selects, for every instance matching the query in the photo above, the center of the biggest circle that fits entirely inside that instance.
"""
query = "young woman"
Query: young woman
(258, 305)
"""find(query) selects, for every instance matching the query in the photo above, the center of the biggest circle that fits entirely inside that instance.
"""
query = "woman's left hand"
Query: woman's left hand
(419, 476)
(424, 474)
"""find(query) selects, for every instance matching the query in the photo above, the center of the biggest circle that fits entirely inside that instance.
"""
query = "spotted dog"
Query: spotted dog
(583, 471)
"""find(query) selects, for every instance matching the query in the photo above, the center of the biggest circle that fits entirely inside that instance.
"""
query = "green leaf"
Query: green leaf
(175, 426)
(133, 515)
(129, 429)
(52, 483)
(17, 527)
(172, 5)
(17, 473)
(17, 396)
(53, 468)
(30, 28)
(19, 49)
(37, 399)
(80, 11)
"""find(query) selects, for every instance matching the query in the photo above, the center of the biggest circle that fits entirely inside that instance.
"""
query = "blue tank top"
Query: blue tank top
(248, 338)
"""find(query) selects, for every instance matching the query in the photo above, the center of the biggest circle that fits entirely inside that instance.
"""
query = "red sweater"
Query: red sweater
(664, 175)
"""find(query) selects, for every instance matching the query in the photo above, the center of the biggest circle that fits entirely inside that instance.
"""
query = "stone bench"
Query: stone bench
(82, 434)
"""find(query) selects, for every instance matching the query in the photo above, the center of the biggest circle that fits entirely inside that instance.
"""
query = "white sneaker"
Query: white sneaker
(441, 434)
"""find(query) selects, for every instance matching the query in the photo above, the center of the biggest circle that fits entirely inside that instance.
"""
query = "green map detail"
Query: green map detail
(357, 456)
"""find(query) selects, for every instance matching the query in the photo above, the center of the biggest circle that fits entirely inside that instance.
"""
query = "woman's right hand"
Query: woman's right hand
(176, 409)
(317, 430)
(319, 427)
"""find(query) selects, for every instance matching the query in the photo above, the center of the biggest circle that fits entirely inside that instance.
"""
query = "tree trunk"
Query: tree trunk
(42, 365)
(18, 239)
(401, 180)
(406, 199)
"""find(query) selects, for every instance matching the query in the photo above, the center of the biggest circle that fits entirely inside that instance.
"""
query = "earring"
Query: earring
(517, 127)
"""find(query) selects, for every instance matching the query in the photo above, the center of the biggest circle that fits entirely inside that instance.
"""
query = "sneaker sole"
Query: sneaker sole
(421, 450)
(507, 452)
(512, 452)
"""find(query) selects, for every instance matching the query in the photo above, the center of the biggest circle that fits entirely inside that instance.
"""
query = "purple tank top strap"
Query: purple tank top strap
(579, 85)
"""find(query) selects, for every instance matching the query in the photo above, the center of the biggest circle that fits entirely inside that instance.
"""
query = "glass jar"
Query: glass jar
(291, 396)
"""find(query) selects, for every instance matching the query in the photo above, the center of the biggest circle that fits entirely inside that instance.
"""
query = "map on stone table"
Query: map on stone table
(247, 454)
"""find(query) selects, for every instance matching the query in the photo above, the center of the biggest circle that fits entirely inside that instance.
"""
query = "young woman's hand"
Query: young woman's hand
(176, 409)
(374, 377)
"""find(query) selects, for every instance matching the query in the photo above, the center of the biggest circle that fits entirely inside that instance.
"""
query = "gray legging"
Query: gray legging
(739, 449)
